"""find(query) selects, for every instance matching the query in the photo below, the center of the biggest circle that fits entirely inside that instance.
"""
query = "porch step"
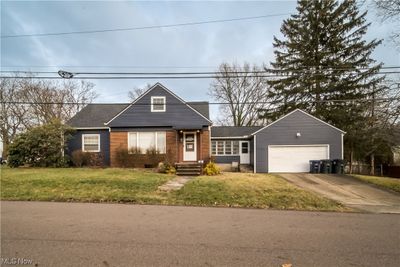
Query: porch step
(189, 169)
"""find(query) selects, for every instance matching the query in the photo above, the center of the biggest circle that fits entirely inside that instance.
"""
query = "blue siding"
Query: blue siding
(176, 114)
(230, 158)
(75, 143)
(226, 159)
(283, 132)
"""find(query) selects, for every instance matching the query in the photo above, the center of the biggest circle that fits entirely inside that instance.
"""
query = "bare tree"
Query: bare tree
(13, 117)
(389, 10)
(138, 91)
(29, 102)
(244, 93)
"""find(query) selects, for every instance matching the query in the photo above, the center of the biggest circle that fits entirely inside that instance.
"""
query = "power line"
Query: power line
(162, 77)
(111, 66)
(201, 72)
(144, 27)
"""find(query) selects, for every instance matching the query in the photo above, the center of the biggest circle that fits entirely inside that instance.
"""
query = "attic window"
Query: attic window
(158, 104)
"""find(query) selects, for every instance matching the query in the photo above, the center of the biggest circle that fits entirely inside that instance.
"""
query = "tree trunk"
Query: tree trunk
(6, 142)
(372, 172)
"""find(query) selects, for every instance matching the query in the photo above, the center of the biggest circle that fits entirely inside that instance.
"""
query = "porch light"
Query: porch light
(298, 134)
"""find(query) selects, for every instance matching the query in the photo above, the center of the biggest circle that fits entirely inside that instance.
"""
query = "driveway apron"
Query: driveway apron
(348, 191)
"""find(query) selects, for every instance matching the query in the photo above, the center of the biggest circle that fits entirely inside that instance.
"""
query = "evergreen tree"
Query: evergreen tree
(322, 60)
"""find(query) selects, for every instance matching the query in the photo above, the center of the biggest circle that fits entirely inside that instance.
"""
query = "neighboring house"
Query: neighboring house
(160, 119)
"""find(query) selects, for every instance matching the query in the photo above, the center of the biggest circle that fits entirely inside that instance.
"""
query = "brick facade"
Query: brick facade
(174, 145)
(117, 140)
(205, 146)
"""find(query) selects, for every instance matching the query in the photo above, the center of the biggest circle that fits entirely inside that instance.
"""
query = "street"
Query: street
(84, 234)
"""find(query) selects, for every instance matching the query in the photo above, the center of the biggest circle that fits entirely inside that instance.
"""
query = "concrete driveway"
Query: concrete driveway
(348, 191)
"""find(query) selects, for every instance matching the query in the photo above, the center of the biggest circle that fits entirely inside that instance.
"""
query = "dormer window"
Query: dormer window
(158, 104)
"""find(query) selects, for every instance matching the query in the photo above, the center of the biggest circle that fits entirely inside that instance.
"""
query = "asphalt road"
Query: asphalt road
(349, 191)
(79, 234)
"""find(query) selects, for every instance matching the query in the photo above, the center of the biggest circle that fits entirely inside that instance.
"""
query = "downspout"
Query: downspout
(342, 146)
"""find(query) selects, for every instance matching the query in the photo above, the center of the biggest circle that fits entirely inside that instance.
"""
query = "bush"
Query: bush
(41, 146)
(166, 167)
(79, 158)
(131, 158)
(211, 169)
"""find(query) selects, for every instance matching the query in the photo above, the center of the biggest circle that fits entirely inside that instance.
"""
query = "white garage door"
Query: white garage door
(295, 158)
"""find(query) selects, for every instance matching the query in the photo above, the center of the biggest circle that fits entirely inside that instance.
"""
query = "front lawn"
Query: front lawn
(141, 186)
(81, 184)
(250, 190)
(384, 182)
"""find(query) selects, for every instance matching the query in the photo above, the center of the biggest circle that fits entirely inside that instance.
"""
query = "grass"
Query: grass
(140, 186)
(383, 182)
(250, 190)
(81, 184)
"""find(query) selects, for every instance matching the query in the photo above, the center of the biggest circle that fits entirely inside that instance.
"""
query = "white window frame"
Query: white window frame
(83, 143)
(155, 136)
(152, 103)
(224, 149)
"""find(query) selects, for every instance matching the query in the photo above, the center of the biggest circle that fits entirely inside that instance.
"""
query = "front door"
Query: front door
(189, 147)
(244, 152)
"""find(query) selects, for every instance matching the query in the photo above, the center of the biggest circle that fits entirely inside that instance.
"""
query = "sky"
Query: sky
(191, 48)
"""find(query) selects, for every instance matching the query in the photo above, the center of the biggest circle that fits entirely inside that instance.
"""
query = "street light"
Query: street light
(65, 74)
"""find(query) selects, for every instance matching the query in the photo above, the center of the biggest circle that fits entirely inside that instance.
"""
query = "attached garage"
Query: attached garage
(294, 158)
(287, 144)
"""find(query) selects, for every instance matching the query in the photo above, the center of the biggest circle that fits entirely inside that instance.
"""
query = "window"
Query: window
(158, 104)
(228, 147)
(147, 140)
(220, 147)
(91, 142)
(213, 147)
(245, 147)
(225, 147)
(235, 147)
(161, 142)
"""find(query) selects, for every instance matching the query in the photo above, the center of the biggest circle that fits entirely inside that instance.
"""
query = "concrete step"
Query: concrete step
(189, 169)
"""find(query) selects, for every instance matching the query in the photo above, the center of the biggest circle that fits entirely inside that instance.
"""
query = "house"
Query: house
(160, 119)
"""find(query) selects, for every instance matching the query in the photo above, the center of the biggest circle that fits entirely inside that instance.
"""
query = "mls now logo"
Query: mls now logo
(15, 261)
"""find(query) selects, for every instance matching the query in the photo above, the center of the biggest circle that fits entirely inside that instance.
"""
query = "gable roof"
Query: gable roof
(299, 110)
(94, 115)
(197, 107)
(233, 131)
(201, 106)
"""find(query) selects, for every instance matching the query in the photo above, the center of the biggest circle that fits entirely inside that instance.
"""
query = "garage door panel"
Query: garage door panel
(295, 158)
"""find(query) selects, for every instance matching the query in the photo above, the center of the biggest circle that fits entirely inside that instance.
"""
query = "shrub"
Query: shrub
(122, 157)
(41, 146)
(95, 159)
(79, 158)
(211, 169)
(166, 167)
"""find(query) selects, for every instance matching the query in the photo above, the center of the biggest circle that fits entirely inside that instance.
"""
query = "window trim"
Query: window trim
(224, 148)
(83, 143)
(155, 141)
(152, 103)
